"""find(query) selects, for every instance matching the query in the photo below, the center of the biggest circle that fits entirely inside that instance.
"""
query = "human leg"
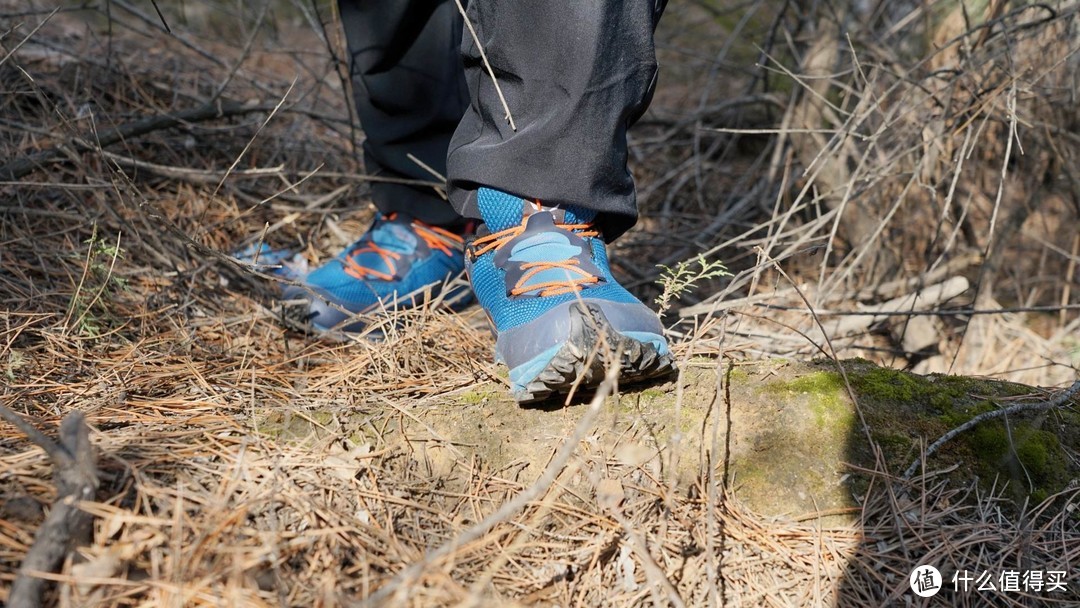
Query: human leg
(575, 76)
(410, 93)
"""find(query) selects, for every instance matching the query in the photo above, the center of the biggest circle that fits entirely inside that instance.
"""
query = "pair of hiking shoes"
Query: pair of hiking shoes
(540, 273)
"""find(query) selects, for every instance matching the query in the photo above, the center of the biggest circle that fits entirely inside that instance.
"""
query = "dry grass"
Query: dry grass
(922, 144)
(117, 301)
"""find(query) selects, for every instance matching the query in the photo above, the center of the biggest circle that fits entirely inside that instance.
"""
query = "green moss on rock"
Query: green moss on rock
(783, 434)
(1032, 458)
(477, 396)
(906, 411)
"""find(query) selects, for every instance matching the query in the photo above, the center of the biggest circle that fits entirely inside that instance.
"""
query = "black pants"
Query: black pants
(575, 73)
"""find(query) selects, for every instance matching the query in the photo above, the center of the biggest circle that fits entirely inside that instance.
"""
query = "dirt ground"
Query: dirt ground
(242, 462)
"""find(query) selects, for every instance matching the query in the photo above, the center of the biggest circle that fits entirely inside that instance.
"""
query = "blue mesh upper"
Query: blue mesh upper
(422, 266)
(501, 211)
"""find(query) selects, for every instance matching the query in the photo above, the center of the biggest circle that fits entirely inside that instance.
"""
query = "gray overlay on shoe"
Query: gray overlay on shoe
(518, 345)
(582, 360)
(537, 224)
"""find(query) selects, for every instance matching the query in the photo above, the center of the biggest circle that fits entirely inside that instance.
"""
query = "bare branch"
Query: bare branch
(76, 480)
(1058, 401)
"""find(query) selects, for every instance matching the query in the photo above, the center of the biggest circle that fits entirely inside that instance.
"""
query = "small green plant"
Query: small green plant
(684, 277)
(88, 312)
(15, 360)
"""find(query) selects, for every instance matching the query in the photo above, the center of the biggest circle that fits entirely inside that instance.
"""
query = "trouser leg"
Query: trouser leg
(410, 94)
(575, 75)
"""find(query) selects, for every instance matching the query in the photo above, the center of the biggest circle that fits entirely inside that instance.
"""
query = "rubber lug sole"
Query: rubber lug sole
(585, 354)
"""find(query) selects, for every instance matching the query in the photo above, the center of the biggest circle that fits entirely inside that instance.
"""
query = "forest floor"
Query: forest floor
(242, 462)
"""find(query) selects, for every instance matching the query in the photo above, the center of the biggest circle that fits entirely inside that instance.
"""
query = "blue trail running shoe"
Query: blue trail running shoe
(542, 276)
(396, 264)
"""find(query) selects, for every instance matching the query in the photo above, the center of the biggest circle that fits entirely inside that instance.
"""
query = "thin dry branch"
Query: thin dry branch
(29, 36)
(20, 167)
(487, 64)
(76, 480)
(1058, 401)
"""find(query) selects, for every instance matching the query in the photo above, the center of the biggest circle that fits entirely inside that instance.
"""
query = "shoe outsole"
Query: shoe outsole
(313, 311)
(582, 360)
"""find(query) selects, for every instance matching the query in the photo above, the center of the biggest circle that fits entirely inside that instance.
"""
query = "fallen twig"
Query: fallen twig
(76, 480)
(924, 299)
(1058, 401)
(20, 167)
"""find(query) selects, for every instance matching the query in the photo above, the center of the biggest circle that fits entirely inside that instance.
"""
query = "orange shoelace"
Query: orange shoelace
(497, 240)
(437, 239)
